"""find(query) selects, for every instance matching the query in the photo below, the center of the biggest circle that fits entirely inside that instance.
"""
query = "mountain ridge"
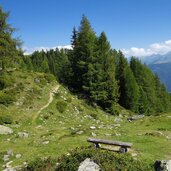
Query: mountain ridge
(160, 65)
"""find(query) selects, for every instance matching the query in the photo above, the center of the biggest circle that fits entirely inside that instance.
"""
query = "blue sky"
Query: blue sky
(138, 27)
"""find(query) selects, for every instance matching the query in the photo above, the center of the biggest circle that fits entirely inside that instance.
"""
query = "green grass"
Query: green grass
(151, 136)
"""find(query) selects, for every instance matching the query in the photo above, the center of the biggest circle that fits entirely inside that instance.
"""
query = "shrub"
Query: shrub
(40, 165)
(69, 100)
(5, 82)
(94, 115)
(107, 160)
(61, 106)
(5, 120)
(6, 98)
(49, 77)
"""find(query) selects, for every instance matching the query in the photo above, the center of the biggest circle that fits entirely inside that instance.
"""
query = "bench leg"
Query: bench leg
(123, 150)
(97, 145)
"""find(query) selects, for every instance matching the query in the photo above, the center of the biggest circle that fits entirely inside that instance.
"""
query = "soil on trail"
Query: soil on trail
(51, 94)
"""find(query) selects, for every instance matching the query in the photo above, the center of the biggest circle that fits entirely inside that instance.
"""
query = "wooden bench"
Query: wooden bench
(123, 145)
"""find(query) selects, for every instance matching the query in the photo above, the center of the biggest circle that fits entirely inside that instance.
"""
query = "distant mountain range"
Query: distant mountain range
(160, 64)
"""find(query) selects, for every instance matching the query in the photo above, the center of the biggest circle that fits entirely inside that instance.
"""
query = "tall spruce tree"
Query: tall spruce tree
(146, 81)
(84, 55)
(8, 45)
(104, 88)
(128, 87)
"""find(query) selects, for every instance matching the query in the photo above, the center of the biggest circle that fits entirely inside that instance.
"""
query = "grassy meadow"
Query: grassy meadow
(68, 121)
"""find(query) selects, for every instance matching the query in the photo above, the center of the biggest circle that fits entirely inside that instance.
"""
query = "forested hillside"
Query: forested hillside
(52, 101)
(101, 74)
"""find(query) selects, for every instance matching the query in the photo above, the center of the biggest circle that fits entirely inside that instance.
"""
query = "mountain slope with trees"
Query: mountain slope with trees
(101, 81)
(103, 75)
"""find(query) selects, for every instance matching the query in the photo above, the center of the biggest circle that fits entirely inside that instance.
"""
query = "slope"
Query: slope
(68, 121)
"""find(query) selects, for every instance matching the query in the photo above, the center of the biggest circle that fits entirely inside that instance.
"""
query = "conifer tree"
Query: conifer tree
(8, 45)
(84, 54)
(104, 88)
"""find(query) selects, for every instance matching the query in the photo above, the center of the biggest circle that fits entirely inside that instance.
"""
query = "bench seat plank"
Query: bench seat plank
(110, 142)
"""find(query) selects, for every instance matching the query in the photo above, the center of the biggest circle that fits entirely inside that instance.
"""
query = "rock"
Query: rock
(134, 154)
(92, 127)
(117, 134)
(23, 134)
(10, 152)
(108, 134)
(5, 130)
(93, 134)
(168, 137)
(10, 169)
(18, 156)
(45, 142)
(39, 127)
(8, 165)
(25, 164)
(37, 80)
(80, 132)
(116, 125)
(117, 119)
(6, 157)
(135, 117)
(155, 134)
(162, 165)
(88, 165)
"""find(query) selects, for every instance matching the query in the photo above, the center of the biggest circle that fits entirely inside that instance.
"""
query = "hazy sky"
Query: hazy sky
(138, 27)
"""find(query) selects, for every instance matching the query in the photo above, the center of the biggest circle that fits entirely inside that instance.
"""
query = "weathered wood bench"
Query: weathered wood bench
(123, 145)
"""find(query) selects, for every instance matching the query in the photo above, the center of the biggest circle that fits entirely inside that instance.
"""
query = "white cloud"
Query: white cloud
(155, 48)
(28, 51)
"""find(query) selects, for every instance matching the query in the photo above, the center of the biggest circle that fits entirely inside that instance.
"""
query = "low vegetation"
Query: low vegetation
(106, 89)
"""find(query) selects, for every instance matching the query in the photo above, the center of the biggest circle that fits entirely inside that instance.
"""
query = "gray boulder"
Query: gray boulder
(135, 117)
(5, 157)
(23, 134)
(162, 165)
(5, 130)
(88, 165)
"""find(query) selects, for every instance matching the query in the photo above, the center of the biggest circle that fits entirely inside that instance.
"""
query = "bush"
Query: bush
(6, 98)
(107, 160)
(49, 77)
(5, 82)
(40, 165)
(94, 115)
(5, 120)
(61, 106)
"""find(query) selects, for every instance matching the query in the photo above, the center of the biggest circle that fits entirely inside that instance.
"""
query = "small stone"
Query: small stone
(45, 142)
(134, 154)
(10, 169)
(37, 80)
(116, 125)
(117, 119)
(18, 156)
(117, 134)
(6, 157)
(10, 152)
(39, 127)
(92, 127)
(24, 164)
(8, 165)
(23, 134)
(80, 132)
(93, 134)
